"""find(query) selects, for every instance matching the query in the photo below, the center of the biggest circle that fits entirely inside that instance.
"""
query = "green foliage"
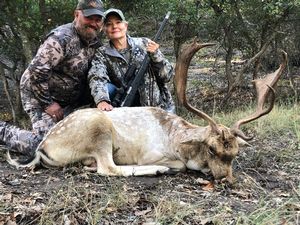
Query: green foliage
(208, 19)
(31, 19)
(276, 7)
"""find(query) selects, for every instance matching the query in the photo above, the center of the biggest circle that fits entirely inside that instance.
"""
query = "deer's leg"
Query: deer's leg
(174, 165)
(89, 164)
(103, 154)
(147, 170)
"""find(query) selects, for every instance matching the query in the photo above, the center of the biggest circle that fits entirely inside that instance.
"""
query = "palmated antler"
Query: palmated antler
(264, 88)
(181, 71)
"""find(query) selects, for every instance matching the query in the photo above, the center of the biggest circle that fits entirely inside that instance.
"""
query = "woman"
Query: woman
(113, 60)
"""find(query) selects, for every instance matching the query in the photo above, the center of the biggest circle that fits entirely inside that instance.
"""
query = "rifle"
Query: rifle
(127, 97)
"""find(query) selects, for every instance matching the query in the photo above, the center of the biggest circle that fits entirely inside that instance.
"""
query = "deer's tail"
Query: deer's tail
(31, 162)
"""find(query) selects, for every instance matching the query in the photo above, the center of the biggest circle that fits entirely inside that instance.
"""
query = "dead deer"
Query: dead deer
(146, 140)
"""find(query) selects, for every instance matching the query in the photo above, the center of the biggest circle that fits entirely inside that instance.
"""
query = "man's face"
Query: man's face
(87, 27)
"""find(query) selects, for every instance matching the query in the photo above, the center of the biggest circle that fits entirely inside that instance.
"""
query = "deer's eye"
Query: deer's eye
(226, 144)
(211, 151)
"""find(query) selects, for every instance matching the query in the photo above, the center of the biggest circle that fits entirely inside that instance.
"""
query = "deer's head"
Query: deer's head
(221, 143)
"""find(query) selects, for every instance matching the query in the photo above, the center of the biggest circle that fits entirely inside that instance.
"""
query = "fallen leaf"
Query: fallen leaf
(7, 197)
(209, 187)
(241, 194)
(111, 209)
(202, 181)
(11, 223)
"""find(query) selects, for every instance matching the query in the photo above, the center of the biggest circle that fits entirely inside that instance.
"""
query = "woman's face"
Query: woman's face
(115, 28)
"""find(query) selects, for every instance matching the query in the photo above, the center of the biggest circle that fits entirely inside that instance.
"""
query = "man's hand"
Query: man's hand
(104, 106)
(152, 47)
(55, 111)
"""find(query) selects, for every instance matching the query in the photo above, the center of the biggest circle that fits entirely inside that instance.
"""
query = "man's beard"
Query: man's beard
(86, 33)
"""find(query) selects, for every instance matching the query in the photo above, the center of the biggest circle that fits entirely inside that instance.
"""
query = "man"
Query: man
(54, 83)
(113, 60)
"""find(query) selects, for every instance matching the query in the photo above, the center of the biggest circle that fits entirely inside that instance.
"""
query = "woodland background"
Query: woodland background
(250, 31)
(248, 37)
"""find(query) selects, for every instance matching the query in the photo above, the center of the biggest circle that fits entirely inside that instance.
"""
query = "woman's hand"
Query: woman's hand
(104, 106)
(152, 47)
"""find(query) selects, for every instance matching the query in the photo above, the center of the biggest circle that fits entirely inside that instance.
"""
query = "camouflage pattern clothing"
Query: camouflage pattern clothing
(110, 66)
(58, 73)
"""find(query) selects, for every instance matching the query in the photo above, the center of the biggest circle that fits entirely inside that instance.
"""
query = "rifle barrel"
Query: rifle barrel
(157, 36)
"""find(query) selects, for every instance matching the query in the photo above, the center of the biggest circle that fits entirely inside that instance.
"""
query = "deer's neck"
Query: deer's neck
(187, 139)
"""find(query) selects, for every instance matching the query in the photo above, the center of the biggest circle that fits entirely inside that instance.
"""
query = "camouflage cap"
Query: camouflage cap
(117, 12)
(91, 7)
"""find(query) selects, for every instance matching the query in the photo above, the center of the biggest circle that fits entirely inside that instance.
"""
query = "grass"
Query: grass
(280, 119)
(72, 202)
(282, 123)
(80, 201)
(282, 212)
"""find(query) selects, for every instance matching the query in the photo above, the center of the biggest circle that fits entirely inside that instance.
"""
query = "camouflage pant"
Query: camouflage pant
(25, 141)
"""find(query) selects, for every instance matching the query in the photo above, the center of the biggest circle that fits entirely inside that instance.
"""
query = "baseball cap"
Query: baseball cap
(91, 7)
(117, 12)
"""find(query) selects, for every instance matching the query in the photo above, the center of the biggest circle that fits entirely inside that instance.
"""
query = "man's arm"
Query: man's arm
(48, 56)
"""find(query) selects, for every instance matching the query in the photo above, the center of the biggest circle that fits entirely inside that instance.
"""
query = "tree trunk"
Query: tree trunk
(254, 59)
(228, 69)
(7, 93)
(26, 47)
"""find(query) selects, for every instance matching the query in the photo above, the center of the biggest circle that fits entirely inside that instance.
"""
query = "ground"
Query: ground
(266, 191)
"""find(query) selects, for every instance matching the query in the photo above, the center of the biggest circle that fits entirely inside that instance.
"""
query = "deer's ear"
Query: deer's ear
(190, 141)
(195, 137)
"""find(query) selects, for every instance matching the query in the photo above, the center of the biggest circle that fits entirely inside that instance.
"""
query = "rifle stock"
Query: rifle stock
(121, 92)
(133, 86)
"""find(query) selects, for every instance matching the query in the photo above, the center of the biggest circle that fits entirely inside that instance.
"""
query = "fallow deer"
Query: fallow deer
(146, 140)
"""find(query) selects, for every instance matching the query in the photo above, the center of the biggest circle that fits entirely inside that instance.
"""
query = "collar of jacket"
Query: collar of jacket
(112, 51)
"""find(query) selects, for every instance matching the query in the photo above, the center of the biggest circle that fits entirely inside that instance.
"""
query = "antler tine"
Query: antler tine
(180, 79)
(264, 88)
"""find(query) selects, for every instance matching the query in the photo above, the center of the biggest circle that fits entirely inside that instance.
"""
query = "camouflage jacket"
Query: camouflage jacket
(110, 66)
(59, 70)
